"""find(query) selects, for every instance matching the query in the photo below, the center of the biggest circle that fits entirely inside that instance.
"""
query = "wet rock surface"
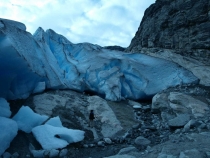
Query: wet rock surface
(126, 128)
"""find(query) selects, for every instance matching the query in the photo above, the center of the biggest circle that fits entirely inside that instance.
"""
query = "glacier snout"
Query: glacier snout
(50, 60)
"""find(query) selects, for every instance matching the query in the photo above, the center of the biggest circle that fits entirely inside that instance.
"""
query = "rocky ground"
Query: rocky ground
(176, 123)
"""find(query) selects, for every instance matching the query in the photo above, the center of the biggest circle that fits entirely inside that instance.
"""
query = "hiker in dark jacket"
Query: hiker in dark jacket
(91, 118)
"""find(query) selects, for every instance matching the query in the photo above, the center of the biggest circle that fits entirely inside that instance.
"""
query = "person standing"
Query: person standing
(91, 118)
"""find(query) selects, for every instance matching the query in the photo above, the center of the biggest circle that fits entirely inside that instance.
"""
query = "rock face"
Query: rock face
(176, 24)
(177, 30)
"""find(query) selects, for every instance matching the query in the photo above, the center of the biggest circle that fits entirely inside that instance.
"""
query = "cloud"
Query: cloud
(99, 22)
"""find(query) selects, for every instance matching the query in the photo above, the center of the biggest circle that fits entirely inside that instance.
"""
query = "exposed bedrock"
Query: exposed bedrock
(177, 30)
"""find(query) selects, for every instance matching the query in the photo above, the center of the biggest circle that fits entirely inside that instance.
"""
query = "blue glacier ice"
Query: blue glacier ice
(46, 136)
(4, 108)
(27, 119)
(8, 130)
(55, 121)
(48, 60)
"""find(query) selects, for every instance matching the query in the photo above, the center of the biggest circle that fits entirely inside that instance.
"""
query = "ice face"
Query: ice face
(4, 108)
(17, 78)
(27, 119)
(51, 137)
(8, 130)
(50, 59)
(113, 74)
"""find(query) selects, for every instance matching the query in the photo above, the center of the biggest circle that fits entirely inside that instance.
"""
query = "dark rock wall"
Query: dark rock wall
(181, 25)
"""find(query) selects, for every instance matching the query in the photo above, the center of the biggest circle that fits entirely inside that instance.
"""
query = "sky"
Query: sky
(102, 22)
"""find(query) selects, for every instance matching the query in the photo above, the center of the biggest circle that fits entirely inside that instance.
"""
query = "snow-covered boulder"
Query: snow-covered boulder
(27, 119)
(8, 130)
(51, 137)
(4, 108)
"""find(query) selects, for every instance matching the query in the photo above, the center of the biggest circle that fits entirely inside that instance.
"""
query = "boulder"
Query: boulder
(181, 103)
(179, 121)
(159, 102)
(110, 125)
(192, 153)
(141, 141)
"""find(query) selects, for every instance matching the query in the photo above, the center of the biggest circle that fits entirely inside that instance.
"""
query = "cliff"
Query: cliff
(177, 30)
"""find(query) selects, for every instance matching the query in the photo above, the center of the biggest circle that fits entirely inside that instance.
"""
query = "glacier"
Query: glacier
(47, 60)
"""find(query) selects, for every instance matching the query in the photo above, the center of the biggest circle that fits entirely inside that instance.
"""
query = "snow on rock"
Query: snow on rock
(8, 130)
(51, 137)
(4, 108)
(47, 57)
(27, 119)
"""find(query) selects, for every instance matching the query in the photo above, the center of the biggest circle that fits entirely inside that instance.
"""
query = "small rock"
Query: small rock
(202, 126)
(107, 140)
(127, 150)
(136, 126)
(137, 107)
(15, 155)
(208, 154)
(85, 146)
(92, 145)
(101, 143)
(193, 153)
(6, 155)
(146, 108)
(177, 131)
(191, 124)
(149, 149)
(161, 155)
(142, 141)
(63, 152)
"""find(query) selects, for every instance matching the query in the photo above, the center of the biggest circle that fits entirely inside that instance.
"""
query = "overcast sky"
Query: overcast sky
(102, 22)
